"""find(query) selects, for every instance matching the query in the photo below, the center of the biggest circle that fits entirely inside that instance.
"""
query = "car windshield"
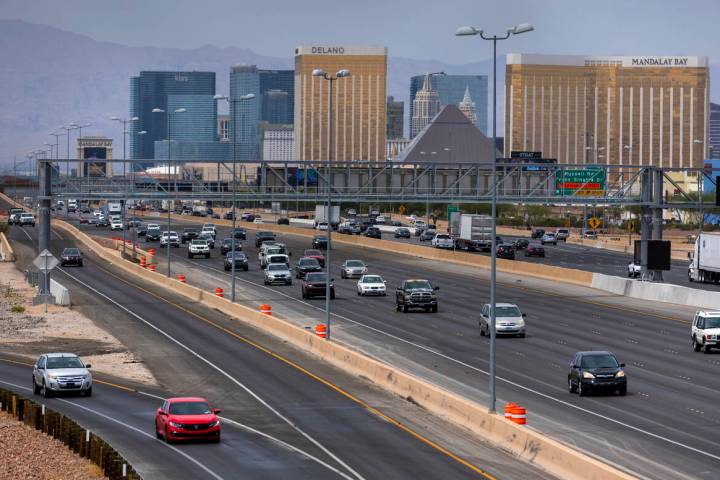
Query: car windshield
(355, 263)
(403, 230)
(276, 268)
(308, 262)
(313, 253)
(443, 237)
(71, 251)
(712, 322)
(507, 311)
(265, 234)
(429, 232)
(316, 277)
(418, 284)
(190, 230)
(321, 239)
(64, 362)
(199, 242)
(598, 361)
(372, 279)
(236, 255)
(277, 259)
(189, 408)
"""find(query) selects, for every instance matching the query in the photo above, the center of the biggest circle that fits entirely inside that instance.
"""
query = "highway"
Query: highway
(666, 426)
(199, 352)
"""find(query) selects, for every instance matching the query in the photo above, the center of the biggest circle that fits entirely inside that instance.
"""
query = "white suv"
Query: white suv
(705, 331)
(61, 372)
(442, 240)
(199, 247)
(171, 238)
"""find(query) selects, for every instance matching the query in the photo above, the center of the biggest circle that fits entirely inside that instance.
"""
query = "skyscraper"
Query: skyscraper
(276, 107)
(395, 118)
(609, 109)
(425, 106)
(714, 131)
(245, 114)
(467, 106)
(151, 90)
(451, 89)
(358, 103)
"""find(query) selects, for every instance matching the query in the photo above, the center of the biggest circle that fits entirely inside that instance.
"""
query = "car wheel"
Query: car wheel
(434, 308)
(246, 268)
(36, 389)
(521, 335)
(571, 387)
(167, 436)
(88, 392)
(158, 435)
(706, 349)
(543, 255)
(332, 294)
(397, 307)
(227, 269)
(482, 330)
(405, 308)
(622, 391)
(580, 390)
(289, 282)
(46, 392)
(359, 294)
(342, 274)
(695, 345)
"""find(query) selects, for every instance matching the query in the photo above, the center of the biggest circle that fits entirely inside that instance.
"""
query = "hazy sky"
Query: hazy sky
(410, 28)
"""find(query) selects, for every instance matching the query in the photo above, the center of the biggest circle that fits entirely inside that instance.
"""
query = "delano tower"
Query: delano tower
(359, 103)
(644, 110)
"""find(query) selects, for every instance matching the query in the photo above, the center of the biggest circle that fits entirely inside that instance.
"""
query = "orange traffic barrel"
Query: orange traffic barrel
(181, 278)
(266, 309)
(152, 267)
(143, 262)
(321, 330)
(151, 251)
(519, 415)
(508, 410)
(219, 292)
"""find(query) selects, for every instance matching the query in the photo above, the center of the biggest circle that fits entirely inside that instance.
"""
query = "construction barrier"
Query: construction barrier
(143, 262)
(219, 292)
(266, 309)
(181, 278)
(79, 440)
(152, 267)
(508, 410)
(321, 330)
(518, 415)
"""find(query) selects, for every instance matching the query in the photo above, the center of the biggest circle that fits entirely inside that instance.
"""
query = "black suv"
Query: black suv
(241, 261)
(594, 371)
(319, 242)
(416, 294)
(189, 234)
(227, 245)
(152, 235)
(314, 285)
(506, 251)
(261, 237)
(306, 265)
(240, 233)
(71, 256)
(373, 232)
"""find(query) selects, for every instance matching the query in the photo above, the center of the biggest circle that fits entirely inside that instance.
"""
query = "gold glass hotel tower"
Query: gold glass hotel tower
(613, 110)
(359, 103)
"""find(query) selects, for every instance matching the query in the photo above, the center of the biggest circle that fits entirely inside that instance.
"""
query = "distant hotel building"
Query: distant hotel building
(151, 90)
(425, 106)
(620, 110)
(451, 90)
(223, 128)
(245, 114)
(359, 103)
(395, 119)
(100, 148)
(714, 133)
(277, 89)
(277, 142)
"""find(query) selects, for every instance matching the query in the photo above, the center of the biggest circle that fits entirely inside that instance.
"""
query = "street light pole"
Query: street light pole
(467, 31)
(124, 202)
(234, 102)
(318, 72)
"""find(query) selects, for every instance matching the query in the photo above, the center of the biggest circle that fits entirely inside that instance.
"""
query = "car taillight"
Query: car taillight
(708, 337)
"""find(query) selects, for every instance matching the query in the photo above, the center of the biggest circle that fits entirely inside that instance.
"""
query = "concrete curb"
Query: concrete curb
(524, 442)
(657, 292)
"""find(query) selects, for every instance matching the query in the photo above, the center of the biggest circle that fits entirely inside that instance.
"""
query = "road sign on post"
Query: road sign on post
(589, 182)
(594, 222)
(45, 262)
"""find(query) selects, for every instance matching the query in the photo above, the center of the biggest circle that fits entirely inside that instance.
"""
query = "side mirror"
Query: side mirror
(436, 288)
(216, 411)
(622, 365)
(332, 279)
(398, 288)
(88, 366)
(160, 412)
(524, 315)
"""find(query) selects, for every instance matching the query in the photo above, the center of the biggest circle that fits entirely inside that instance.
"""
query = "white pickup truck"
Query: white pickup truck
(442, 240)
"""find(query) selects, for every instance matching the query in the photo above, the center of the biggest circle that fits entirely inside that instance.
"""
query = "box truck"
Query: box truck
(320, 215)
(705, 261)
(475, 233)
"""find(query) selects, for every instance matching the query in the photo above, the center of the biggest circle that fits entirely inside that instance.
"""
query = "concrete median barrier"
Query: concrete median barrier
(523, 441)
(60, 293)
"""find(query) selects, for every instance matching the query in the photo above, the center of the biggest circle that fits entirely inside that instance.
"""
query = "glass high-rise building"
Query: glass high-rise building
(714, 131)
(151, 89)
(245, 114)
(276, 107)
(199, 121)
(395, 119)
(451, 89)
(359, 103)
(638, 110)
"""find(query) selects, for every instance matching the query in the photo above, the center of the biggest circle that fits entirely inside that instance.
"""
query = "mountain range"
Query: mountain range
(53, 77)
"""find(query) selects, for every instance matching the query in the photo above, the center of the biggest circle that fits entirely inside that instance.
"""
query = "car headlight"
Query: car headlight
(52, 376)
(215, 423)
(588, 375)
(620, 374)
(176, 425)
(521, 323)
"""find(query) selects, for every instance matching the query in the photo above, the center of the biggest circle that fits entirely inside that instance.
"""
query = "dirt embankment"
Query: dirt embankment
(28, 331)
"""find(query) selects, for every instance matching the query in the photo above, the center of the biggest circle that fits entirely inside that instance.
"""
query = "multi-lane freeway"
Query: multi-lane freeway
(664, 428)
(280, 422)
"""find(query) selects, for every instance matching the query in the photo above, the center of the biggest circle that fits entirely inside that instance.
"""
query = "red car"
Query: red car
(316, 254)
(187, 418)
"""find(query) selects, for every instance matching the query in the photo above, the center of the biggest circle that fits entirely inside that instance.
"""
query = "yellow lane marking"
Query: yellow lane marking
(315, 377)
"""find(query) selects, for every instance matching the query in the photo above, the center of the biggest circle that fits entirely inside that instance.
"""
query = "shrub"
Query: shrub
(17, 309)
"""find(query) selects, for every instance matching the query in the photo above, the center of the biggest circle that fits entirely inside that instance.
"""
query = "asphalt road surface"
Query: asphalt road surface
(333, 435)
(666, 427)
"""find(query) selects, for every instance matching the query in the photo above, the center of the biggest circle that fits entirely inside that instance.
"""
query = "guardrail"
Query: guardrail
(78, 439)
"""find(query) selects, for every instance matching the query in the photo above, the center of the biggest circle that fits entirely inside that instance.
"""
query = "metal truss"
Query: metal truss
(390, 182)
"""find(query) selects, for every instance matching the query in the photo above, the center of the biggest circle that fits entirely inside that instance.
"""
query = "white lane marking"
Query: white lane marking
(26, 233)
(265, 435)
(222, 372)
(502, 379)
(129, 427)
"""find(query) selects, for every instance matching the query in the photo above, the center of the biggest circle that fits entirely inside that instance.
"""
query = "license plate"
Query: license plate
(71, 385)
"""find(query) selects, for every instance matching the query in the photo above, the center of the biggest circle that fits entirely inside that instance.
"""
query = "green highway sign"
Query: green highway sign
(588, 182)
